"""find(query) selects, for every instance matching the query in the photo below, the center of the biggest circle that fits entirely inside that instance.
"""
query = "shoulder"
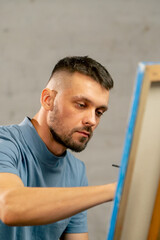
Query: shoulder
(9, 149)
(9, 138)
(10, 133)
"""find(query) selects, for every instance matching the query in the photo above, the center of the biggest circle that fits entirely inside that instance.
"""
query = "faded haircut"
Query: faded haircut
(86, 66)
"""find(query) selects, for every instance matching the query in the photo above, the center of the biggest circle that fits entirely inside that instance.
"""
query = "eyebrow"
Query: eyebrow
(82, 98)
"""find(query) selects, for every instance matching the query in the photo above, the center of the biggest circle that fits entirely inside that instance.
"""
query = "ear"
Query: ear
(47, 99)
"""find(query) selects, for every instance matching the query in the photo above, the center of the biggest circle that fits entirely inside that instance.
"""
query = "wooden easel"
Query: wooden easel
(140, 166)
(154, 231)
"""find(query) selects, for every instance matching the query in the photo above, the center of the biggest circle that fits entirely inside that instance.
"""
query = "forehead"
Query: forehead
(86, 87)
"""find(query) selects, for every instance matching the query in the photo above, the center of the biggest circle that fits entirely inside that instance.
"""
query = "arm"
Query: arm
(23, 206)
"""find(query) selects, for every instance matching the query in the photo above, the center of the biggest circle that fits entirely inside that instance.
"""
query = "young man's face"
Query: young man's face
(77, 112)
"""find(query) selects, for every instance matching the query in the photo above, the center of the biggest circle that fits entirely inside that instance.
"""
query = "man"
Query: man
(43, 187)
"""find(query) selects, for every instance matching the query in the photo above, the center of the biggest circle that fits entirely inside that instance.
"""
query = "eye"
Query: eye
(99, 113)
(80, 105)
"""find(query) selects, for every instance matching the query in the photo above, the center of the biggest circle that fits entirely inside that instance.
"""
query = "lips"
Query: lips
(85, 134)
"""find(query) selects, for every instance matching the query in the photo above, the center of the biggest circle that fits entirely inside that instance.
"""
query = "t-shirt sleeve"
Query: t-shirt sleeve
(8, 154)
(78, 222)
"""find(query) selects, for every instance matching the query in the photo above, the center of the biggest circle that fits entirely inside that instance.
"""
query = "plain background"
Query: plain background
(35, 34)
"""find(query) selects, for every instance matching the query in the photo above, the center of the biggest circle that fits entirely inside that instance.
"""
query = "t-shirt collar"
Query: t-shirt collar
(36, 144)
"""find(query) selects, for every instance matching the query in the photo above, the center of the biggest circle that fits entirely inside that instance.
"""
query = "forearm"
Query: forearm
(36, 206)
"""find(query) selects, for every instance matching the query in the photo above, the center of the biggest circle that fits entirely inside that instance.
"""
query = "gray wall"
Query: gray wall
(34, 34)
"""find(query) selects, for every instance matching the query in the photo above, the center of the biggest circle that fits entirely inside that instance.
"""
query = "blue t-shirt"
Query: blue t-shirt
(22, 152)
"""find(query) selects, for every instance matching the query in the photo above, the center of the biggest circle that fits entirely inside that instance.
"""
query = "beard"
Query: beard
(63, 136)
(67, 139)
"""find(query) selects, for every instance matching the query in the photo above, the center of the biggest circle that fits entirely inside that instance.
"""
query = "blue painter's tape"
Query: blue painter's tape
(127, 147)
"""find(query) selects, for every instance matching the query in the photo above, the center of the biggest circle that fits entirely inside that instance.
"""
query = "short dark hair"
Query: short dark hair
(86, 66)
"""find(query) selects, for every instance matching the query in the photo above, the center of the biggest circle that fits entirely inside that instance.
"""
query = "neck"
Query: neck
(39, 121)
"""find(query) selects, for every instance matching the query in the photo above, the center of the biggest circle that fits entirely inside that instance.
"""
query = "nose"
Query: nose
(90, 119)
